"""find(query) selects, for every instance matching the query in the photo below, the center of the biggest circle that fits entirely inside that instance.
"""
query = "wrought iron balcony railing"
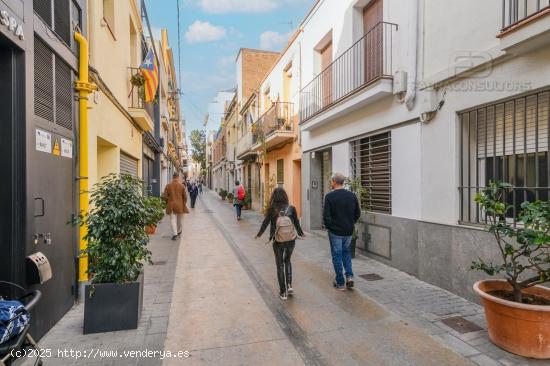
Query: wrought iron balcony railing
(516, 11)
(137, 96)
(277, 118)
(368, 60)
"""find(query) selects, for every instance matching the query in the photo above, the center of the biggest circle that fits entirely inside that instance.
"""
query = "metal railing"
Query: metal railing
(515, 11)
(368, 60)
(277, 118)
(136, 96)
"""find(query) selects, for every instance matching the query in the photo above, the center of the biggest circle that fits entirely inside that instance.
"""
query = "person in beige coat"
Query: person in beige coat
(175, 196)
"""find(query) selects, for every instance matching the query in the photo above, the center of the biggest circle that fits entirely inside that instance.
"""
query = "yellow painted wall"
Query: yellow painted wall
(111, 53)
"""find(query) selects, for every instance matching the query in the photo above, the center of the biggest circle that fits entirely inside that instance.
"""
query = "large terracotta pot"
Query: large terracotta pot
(518, 328)
(151, 229)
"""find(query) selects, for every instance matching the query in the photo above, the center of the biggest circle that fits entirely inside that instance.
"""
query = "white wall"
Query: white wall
(341, 158)
(406, 171)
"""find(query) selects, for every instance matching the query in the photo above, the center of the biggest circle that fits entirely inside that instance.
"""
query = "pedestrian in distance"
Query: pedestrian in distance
(193, 192)
(200, 188)
(239, 196)
(341, 212)
(283, 231)
(176, 204)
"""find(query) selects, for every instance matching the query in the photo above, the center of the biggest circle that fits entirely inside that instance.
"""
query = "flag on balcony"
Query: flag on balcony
(149, 70)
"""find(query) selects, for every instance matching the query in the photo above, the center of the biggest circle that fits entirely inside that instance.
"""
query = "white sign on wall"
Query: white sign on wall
(66, 148)
(43, 141)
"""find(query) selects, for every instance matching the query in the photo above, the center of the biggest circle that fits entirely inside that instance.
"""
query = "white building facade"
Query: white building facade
(424, 102)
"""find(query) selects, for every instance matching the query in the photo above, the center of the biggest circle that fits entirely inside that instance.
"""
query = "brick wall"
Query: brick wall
(256, 65)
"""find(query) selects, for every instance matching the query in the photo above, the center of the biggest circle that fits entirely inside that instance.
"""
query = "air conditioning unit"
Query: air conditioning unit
(399, 82)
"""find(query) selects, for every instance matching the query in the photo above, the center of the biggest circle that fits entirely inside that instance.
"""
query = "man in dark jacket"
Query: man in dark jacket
(341, 212)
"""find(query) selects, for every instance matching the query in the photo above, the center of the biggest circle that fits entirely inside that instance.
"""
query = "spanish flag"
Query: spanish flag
(150, 71)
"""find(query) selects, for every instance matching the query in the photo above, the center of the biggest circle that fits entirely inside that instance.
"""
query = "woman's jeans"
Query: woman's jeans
(239, 209)
(283, 252)
(341, 255)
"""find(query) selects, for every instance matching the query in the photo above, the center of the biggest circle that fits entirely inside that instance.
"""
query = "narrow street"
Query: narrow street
(225, 308)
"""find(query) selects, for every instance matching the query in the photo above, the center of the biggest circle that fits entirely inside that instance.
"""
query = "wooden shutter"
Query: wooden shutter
(326, 74)
(280, 172)
(128, 165)
(373, 41)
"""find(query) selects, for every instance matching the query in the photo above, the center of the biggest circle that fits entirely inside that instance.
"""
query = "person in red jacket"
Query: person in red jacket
(239, 196)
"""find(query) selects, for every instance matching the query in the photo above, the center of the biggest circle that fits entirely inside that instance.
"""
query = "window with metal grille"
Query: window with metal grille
(44, 10)
(53, 101)
(505, 141)
(371, 164)
(62, 19)
(280, 173)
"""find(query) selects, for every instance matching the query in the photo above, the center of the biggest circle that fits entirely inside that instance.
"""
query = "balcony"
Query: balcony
(243, 147)
(274, 127)
(142, 113)
(525, 25)
(363, 73)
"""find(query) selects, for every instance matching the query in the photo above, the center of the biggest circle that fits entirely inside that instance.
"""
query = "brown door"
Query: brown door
(372, 18)
(326, 75)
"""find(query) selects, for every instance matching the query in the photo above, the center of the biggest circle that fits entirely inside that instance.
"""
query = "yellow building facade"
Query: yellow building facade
(118, 117)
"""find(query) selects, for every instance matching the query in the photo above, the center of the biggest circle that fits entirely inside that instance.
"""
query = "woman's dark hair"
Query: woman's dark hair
(237, 183)
(278, 201)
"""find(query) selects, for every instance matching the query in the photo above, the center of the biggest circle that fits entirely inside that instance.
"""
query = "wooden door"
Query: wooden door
(326, 75)
(373, 40)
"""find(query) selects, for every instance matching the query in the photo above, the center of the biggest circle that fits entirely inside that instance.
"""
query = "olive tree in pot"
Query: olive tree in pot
(517, 308)
(116, 252)
(355, 185)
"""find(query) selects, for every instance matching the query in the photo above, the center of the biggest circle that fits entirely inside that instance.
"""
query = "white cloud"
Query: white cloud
(204, 32)
(233, 6)
(273, 40)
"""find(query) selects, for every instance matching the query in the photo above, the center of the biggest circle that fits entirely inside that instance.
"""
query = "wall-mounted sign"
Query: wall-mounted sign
(66, 148)
(11, 23)
(43, 141)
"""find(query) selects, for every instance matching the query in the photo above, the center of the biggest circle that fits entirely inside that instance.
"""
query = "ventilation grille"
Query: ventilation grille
(62, 19)
(43, 80)
(63, 95)
(44, 9)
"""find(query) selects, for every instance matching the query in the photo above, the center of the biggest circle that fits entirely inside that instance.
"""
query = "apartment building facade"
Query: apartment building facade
(424, 114)
(39, 60)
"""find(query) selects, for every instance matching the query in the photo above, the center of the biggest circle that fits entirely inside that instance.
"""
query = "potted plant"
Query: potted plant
(355, 185)
(230, 197)
(116, 252)
(517, 308)
(223, 194)
(156, 207)
(247, 200)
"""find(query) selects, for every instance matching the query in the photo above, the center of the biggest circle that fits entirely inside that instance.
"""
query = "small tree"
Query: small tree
(198, 147)
(355, 185)
(525, 248)
(116, 229)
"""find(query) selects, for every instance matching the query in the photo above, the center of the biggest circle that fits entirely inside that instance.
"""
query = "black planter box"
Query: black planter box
(112, 307)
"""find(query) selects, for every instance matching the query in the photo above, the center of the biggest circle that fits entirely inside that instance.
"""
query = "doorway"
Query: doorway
(320, 175)
(12, 157)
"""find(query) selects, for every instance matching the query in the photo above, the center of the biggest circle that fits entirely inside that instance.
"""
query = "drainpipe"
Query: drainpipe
(84, 88)
(413, 55)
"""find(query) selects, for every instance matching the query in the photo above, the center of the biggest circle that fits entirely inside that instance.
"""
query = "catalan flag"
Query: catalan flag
(150, 71)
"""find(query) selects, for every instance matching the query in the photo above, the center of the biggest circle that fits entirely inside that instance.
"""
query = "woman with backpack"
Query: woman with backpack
(239, 196)
(284, 230)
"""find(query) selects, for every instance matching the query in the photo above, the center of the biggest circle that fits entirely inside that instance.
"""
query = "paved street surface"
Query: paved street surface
(226, 311)
(214, 294)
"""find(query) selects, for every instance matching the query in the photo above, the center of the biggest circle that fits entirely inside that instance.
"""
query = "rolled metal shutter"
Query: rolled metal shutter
(128, 165)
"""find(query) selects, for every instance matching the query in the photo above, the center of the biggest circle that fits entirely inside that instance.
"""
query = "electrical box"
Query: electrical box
(399, 82)
(38, 269)
(428, 101)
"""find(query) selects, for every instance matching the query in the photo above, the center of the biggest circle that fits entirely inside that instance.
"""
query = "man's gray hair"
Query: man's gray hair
(339, 179)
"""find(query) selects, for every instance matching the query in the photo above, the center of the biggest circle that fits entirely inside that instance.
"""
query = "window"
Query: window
(109, 14)
(505, 141)
(280, 173)
(57, 15)
(371, 164)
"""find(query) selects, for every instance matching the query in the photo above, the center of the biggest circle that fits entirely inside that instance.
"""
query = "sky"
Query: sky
(211, 33)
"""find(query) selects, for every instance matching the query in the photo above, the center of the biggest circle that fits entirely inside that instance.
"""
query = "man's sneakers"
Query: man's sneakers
(290, 290)
(283, 295)
(349, 282)
(339, 287)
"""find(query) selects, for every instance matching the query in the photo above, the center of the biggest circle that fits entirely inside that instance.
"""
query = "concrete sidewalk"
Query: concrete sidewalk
(94, 348)
(226, 310)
